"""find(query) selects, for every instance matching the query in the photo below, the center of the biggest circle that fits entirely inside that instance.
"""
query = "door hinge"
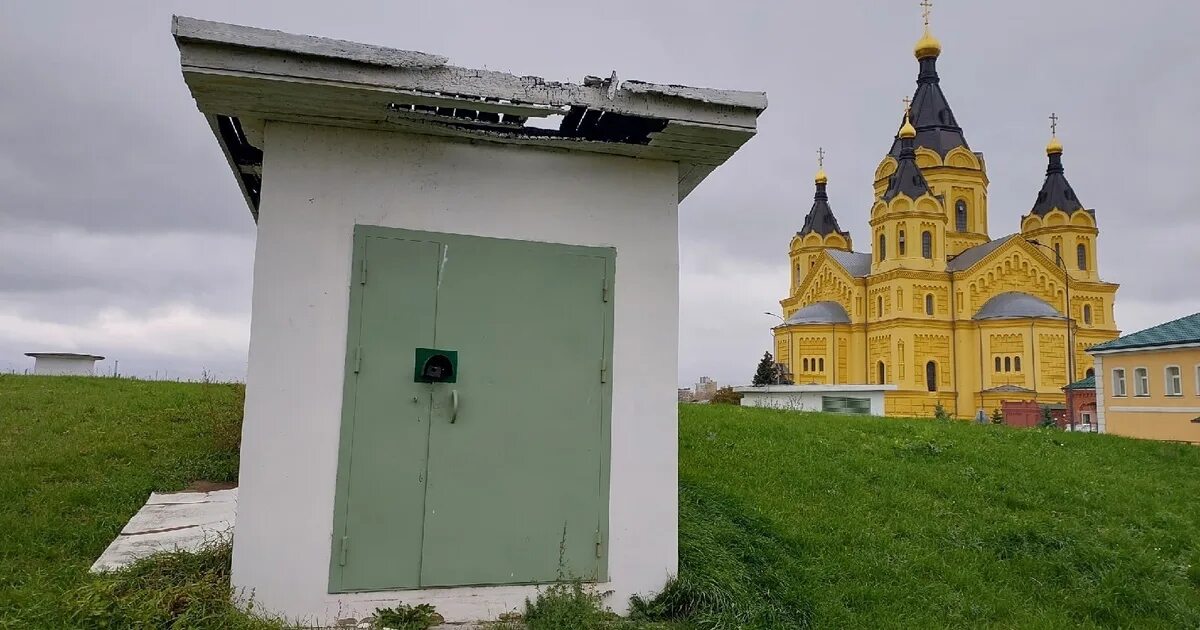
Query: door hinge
(599, 544)
(362, 275)
(345, 549)
(603, 371)
(604, 289)
(358, 359)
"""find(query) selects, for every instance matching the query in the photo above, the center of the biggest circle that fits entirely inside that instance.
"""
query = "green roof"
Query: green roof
(1180, 331)
(1087, 383)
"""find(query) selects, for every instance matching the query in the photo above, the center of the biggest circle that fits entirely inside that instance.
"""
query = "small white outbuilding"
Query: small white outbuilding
(64, 363)
(461, 377)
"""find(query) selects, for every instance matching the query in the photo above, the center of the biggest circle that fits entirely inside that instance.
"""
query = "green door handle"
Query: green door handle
(453, 405)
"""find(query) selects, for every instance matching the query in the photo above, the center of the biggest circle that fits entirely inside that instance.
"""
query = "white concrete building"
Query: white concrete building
(454, 390)
(863, 399)
(64, 363)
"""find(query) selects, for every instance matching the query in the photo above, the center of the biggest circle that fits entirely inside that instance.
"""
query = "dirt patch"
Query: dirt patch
(209, 486)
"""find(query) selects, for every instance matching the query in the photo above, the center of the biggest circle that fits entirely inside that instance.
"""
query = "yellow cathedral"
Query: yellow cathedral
(937, 307)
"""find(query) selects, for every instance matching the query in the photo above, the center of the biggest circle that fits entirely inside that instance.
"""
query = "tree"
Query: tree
(767, 373)
(726, 396)
(997, 416)
(940, 414)
(1048, 421)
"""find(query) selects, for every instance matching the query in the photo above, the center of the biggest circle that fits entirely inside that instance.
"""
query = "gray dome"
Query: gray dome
(820, 313)
(1013, 305)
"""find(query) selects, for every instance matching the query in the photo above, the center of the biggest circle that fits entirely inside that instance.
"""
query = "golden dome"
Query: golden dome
(1055, 146)
(908, 131)
(927, 46)
(821, 178)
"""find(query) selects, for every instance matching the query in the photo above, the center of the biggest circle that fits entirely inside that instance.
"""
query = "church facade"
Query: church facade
(936, 306)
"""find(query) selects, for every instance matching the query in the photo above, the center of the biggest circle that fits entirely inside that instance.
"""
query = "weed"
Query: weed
(405, 617)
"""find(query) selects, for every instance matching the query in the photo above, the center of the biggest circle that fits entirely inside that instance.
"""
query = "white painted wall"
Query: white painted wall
(318, 183)
(808, 397)
(1101, 389)
(64, 366)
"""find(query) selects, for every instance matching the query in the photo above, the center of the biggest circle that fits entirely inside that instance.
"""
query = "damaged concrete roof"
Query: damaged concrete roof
(242, 76)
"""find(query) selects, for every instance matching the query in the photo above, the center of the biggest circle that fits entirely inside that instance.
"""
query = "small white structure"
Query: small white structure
(64, 363)
(528, 421)
(862, 399)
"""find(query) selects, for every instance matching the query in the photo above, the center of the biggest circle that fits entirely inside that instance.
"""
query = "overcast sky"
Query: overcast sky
(122, 232)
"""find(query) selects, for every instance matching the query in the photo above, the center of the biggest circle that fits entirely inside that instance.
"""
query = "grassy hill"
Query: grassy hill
(860, 522)
(787, 520)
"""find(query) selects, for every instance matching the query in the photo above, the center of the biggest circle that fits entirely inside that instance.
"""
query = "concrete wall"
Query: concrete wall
(1155, 416)
(318, 183)
(808, 397)
(64, 366)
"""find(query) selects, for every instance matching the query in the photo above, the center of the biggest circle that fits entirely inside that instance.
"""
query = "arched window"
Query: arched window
(879, 306)
(821, 364)
(1017, 364)
(804, 363)
(900, 243)
(1087, 314)
(960, 215)
(1089, 373)
(1081, 256)
(1057, 252)
(882, 369)
(931, 376)
(927, 245)
(882, 247)
(929, 304)
(1007, 364)
(997, 364)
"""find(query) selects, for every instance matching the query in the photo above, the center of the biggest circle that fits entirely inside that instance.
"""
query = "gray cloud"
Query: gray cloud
(118, 215)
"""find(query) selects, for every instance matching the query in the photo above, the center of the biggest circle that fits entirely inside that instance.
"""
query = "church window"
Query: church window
(929, 304)
(1089, 373)
(1016, 364)
(1081, 256)
(1007, 364)
(931, 376)
(882, 247)
(900, 243)
(960, 215)
(1057, 252)
(998, 364)
(805, 364)
(882, 369)
(1087, 314)
(879, 306)
(821, 364)
(927, 245)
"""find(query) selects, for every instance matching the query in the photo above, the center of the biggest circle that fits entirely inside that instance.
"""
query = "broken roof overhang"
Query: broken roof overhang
(242, 76)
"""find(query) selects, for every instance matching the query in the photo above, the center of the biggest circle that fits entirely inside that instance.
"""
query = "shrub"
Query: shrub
(726, 396)
(405, 617)
(568, 605)
(997, 416)
(940, 414)
(1048, 421)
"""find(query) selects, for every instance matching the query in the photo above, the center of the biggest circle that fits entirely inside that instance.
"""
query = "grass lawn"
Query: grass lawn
(78, 456)
(787, 520)
(847, 522)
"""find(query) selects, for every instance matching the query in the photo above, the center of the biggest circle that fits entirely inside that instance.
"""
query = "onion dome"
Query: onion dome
(927, 46)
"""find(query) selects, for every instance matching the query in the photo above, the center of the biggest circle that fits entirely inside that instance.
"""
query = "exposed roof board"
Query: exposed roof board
(1182, 331)
(856, 264)
(242, 76)
(1013, 304)
(820, 313)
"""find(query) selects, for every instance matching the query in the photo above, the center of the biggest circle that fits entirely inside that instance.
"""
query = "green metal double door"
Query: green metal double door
(500, 477)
